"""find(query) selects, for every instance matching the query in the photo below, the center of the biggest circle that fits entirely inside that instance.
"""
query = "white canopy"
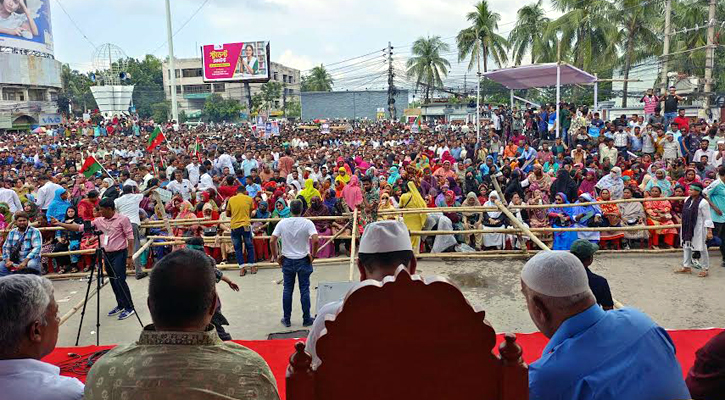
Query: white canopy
(540, 75)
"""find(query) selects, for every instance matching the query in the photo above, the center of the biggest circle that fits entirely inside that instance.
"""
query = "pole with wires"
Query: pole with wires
(478, 96)
(172, 66)
(391, 84)
(666, 46)
(710, 57)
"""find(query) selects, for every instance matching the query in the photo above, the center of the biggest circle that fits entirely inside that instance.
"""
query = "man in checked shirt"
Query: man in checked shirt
(21, 251)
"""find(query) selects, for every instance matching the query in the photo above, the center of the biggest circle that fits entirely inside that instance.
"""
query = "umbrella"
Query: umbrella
(39, 129)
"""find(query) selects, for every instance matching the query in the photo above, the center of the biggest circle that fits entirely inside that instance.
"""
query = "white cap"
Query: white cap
(555, 274)
(385, 237)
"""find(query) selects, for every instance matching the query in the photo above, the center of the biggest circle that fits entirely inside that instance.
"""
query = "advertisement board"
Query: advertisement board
(241, 62)
(26, 27)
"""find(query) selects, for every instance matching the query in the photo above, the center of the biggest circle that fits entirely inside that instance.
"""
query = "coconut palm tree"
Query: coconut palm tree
(427, 66)
(318, 80)
(639, 40)
(589, 36)
(527, 35)
(480, 39)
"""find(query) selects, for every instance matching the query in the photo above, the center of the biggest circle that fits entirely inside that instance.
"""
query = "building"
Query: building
(350, 104)
(445, 110)
(192, 91)
(29, 74)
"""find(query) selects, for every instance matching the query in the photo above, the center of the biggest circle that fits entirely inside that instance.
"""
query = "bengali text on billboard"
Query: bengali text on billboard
(25, 24)
(243, 61)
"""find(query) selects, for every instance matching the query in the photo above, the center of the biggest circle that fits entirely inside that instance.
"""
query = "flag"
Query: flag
(155, 139)
(90, 167)
(197, 147)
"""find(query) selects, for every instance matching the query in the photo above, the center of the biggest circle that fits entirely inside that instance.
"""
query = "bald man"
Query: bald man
(593, 354)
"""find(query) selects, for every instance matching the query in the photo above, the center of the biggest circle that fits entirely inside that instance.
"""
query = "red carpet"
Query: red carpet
(277, 352)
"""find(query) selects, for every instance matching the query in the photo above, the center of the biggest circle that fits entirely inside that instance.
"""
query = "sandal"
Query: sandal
(684, 270)
(703, 274)
(254, 270)
(243, 271)
(74, 270)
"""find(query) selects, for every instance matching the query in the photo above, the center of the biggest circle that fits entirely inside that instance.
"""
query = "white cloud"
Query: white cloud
(290, 59)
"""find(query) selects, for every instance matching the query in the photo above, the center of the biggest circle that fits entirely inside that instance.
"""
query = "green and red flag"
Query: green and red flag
(156, 138)
(90, 167)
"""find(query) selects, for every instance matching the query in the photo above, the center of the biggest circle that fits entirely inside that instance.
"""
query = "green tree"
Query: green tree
(318, 80)
(271, 91)
(76, 91)
(257, 102)
(160, 111)
(527, 35)
(148, 80)
(218, 109)
(426, 65)
(293, 109)
(480, 40)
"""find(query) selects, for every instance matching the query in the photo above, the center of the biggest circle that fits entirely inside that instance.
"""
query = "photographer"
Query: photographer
(118, 243)
(21, 251)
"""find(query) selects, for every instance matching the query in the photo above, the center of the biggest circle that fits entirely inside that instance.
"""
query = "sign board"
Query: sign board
(275, 128)
(325, 128)
(50, 119)
(86, 117)
(6, 121)
(414, 128)
(236, 62)
(37, 36)
(164, 195)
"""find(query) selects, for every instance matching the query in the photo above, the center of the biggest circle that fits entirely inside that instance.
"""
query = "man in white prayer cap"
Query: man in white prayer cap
(593, 354)
(384, 246)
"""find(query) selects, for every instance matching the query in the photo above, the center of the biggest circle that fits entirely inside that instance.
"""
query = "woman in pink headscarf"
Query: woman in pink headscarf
(352, 193)
(361, 164)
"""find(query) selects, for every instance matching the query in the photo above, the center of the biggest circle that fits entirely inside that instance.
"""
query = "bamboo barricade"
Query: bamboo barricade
(78, 306)
(521, 226)
(143, 248)
(353, 245)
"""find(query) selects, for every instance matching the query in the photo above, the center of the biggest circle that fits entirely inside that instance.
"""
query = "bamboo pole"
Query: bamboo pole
(511, 231)
(143, 248)
(521, 226)
(68, 253)
(514, 231)
(596, 203)
(336, 236)
(78, 306)
(191, 221)
(274, 265)
(353, 245)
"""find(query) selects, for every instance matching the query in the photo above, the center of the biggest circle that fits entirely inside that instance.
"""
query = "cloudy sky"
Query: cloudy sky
(303, 33)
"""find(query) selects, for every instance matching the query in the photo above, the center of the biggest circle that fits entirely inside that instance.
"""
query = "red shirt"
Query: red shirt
(682, 122)
(227, 191)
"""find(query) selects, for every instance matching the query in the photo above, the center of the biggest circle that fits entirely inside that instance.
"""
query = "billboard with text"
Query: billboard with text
(26, 25)
(242, 61)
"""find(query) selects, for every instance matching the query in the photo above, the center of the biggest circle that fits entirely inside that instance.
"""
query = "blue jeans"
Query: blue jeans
(116, 271)
(290, 270)
(668, 118)
(238, 235)
(32, 264)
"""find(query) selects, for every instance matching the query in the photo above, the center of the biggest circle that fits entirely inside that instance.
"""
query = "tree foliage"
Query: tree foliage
(148, 80)
(271, 91)
(527, 36)
(318, 80)
(219, 109)
(427, 66)
(293, 109)
(480, 41)
(76, 91)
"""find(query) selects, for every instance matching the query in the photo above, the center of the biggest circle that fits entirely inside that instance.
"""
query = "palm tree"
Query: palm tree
(427, 66)
(481, 39)
(589, 37)
(527, 35)
(318, 80)
(689, 13)
(639, 41)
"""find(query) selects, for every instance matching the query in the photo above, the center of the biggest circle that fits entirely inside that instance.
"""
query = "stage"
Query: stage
(277, 352)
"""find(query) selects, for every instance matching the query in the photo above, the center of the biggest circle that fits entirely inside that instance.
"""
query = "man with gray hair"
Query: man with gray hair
(28, 332)
(620, 354)
(295, 259)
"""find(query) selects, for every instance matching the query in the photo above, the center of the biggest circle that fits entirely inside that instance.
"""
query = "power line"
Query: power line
(78, 28)
(182, 26)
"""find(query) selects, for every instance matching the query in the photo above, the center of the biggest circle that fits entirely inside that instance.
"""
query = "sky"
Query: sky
(302, 33)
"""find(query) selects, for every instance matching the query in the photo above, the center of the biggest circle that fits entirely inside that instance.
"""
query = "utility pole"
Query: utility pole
(172, 66)
(710, 58)
(666, 47)
(478, 94)
(391, 84)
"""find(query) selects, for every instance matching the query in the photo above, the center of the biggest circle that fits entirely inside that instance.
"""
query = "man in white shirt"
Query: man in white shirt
(384, 246)
(205, 181)
(295, 259)
(181, 186)
(128, 205)
(225, 160)
(193, 170)
(46, 192)
(29, 323)
(11, 198)
(705, 151)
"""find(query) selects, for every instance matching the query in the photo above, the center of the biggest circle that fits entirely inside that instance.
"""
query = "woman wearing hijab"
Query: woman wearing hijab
(352, 193)
(613, 182)
(632, 214)
(612, 217)
(589, 183)
(587, 216)
(386, 204)
(564, 184)
(330, 199)
(414, 222)
(470, 183)
(514, 186)
(309, 191)
(317, 209)
(32, 210)
(562, 217)
(538, 177)
(73, 238)
(493, 219)
(687, 180)
(453, 186)
(186, 211)
(522, 216)
(109, 189)
(444, 243)
(393, 175)
(261, 246)
(537, 216)
(660, 180)
(659, 213)
(59, 205)
(212, 249)
(696, 229)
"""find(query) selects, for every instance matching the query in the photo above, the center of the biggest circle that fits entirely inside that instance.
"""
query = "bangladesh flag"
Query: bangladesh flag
(155, 139)
(90, 167)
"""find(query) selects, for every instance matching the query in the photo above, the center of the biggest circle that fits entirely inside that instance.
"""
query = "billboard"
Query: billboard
(25, 24)
(241, 62)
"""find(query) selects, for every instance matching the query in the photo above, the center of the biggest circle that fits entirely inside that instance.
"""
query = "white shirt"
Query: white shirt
(316, 330)
(295, 233)
(206, 182)
(184, 188)
(193, 173)
(29, 379)
(225, 160)
(46, 194)
(130, 182)
(709, 153)
(128, 205)
(11, 198)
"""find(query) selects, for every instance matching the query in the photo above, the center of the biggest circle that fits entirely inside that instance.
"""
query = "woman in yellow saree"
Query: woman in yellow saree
(414, 222)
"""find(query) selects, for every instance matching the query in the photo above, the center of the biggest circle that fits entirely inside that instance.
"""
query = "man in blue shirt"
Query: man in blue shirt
(716, 193)
(592, 353)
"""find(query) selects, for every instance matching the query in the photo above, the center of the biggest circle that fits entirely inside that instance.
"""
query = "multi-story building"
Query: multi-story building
(192, 91)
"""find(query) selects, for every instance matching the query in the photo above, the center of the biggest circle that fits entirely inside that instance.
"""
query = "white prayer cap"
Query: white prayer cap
(385, 237)
(555, 274)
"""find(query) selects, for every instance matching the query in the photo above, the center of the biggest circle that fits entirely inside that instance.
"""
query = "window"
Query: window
(275, 76)
(284, 78)
(169, 73)
(191, 73)
(276, 104)
(13, 94)
(206, 88)
(36, 94)
(219, 87)
(291, 91)
(53, 96)
(178, 89)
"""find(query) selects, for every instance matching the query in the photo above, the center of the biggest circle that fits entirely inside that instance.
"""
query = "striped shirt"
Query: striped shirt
(30, 249)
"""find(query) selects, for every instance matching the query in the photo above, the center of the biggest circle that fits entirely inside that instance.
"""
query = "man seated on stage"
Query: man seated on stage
(28, 332)
(21, 250)
(384, 246)
(180, 356)
(592, 353)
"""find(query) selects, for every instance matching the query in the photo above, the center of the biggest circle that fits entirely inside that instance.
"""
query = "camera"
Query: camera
(88, 228)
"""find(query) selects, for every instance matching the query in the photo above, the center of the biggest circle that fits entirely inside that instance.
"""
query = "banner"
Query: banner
(26, 27)
(243, 61)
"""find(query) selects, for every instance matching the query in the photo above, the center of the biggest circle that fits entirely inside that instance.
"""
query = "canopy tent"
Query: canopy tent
(540, 75)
